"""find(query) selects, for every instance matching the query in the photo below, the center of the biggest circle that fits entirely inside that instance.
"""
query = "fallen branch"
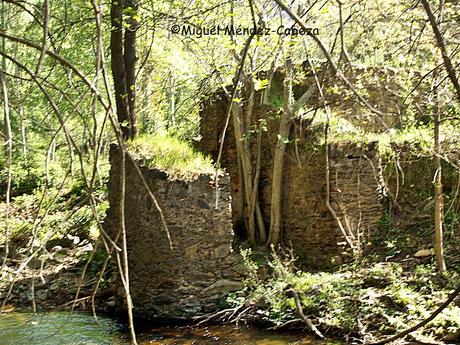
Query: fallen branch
(220, 314)
(292, 293)
(285, 324)
(422, 323)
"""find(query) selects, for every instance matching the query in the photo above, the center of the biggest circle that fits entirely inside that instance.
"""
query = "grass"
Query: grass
(171, 155)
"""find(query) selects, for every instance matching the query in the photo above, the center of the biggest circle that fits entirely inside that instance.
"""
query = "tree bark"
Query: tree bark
(9, 157)
(438, 199)
(131, 8)
(278, 160)
(7, 134)
(118, 66)
(248, 192)
(246, 167)
(438, 188)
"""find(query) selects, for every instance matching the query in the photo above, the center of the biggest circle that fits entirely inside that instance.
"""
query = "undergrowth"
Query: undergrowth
(369, 298)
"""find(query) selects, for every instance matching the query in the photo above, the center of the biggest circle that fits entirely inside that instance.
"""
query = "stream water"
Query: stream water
(58, 328)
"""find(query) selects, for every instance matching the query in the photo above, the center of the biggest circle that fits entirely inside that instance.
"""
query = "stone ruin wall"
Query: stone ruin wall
(355, 186)
(408, 181)
(354, 194)
(189, 279)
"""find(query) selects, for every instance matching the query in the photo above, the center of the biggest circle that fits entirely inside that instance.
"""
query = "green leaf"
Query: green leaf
(260, 84)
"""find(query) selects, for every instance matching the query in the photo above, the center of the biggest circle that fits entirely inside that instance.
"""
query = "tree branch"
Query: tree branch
(442, 47)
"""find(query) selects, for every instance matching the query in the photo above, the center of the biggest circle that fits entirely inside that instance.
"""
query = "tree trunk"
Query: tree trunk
(118, 66)
(438, 199)
(23, 132)
(243, 153)
(8, 136)
(130, 8)
(438, 188)
(278, 160)
(9, 152)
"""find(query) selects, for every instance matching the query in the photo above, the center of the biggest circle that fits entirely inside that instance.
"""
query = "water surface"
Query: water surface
(59, 328)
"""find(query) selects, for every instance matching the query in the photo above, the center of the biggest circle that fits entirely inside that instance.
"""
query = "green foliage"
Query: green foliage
(381, 296)
(169, 154)
(28, 173)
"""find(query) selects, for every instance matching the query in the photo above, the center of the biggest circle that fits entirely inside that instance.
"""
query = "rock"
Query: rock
(376, 281)
(224, 285)
(166, 281)
(452, 338)
(59, 251)
(54, 287)
(241, 269)
(222, 251)
(7, 308)
(41, 295)
(84, 249)
(202, 204)
(110, 302)
(423, 253)
(35, 263)
(189, 307)
(163, 299)
(75, 239)
(25, 296)
(56, 249)
(192, 251)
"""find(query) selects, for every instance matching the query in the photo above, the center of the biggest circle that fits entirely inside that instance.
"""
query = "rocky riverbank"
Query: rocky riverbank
(54, 280)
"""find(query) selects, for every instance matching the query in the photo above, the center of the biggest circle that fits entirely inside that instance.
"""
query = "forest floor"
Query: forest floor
(391, 288)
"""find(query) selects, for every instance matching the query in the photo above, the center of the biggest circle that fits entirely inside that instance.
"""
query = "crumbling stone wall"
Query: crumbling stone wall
(307, 223)
(408, 176)
(354, 194)
(201, 267)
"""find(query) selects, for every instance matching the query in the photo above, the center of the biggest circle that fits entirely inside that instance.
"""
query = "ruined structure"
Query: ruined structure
(409, 184)
(201, 267)
(189, 278)
(307, 223)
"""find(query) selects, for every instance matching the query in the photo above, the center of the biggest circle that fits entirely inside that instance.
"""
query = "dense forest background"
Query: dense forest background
(78, 76)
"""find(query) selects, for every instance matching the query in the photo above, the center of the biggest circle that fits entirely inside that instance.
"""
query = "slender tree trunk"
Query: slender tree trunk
(8, 136)
(246, 167)
(123, 263)
(438, 189)
(255, 205)
(130, 9)
(9, 157)
(278, 160)
(23, 132)
(118, 65)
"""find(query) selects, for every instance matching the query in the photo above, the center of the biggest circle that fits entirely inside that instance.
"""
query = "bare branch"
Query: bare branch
(442, 47)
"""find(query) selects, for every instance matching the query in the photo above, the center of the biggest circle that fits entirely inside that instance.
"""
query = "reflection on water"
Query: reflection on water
(224, 335)
(57, 328)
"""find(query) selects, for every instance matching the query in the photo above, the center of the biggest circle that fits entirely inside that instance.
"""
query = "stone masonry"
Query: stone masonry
(190, 278)
(307, 223)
